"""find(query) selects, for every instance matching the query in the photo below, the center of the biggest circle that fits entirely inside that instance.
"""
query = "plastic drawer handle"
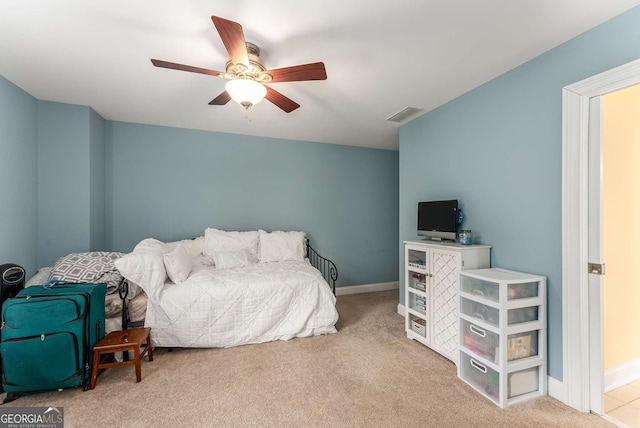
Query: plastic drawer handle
(477, 365)
(480, 332)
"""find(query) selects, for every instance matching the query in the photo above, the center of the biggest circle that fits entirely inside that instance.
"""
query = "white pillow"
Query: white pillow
(178, 264)
(193, 246)
(220, 241)
(234, 259)
(281, 246)
(149, 244)
(144, 267)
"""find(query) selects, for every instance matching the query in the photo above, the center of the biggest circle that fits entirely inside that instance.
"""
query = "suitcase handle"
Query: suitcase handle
(49, 284)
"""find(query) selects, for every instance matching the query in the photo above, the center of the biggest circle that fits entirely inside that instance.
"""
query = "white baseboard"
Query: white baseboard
(556, 389)
(367, 288)
(621, 375)
(401, 309)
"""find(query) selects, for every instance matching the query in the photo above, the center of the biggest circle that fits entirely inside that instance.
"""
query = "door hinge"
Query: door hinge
(596, 268)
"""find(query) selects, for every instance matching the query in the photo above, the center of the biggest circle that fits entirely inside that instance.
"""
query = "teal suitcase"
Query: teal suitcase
(48, 335)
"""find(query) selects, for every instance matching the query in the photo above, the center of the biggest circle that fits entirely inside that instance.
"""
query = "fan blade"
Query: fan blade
(182, 67)
(280, 100)
(297, 73)
(221, 99)
(233, 38)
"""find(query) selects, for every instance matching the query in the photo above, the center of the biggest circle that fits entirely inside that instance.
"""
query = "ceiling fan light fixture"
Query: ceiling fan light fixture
(246, 92)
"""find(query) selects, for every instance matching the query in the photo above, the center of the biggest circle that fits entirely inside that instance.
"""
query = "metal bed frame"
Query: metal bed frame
(326, 267)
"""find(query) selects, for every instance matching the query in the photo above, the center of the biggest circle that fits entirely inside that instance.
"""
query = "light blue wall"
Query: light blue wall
(97, 206)
(64, 182)
(498, 150)
(104, 185)
(18, 177)
(171, 184)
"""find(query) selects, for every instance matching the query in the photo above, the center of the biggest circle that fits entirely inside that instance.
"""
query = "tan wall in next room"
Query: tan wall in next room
(621, 226)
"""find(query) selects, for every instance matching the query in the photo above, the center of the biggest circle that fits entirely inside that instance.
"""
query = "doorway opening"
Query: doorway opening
(581, 385)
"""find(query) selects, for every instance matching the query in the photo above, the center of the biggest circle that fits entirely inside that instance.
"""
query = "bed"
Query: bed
(230, 288)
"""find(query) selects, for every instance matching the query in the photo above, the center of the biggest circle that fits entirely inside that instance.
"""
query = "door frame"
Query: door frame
(575, 389)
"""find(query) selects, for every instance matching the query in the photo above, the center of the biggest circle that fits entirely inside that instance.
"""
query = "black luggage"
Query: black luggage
(48, 335)
(11, 281)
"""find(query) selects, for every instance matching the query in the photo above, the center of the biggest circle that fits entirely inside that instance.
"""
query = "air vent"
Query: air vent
(405, 114)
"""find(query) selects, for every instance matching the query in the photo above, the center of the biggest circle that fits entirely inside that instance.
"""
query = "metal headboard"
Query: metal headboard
(326, 267)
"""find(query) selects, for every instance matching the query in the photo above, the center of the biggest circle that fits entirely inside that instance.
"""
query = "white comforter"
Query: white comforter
(252, 304)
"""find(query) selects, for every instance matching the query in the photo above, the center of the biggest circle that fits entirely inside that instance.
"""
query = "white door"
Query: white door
(596, 365)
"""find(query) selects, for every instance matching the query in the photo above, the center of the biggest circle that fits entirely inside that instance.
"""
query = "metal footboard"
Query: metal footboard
(326, 267)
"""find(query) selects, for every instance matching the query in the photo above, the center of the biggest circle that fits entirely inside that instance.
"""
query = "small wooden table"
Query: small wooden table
(122, 341)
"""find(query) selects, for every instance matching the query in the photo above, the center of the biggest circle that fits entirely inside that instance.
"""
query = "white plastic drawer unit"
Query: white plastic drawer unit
(502, 332)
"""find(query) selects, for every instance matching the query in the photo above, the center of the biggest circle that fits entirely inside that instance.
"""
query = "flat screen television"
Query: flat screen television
(438, 220)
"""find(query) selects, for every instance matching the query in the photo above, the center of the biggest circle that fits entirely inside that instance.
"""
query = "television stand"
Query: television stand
(432, 275)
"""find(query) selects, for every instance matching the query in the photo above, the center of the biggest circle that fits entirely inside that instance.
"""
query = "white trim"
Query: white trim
(621, 375)
(575, 302)
(402, 310)
(574, 227)
(556, 389)
(367, 288)
(614, 421)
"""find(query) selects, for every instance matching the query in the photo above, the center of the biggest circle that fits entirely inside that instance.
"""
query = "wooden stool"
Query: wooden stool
(122, 341)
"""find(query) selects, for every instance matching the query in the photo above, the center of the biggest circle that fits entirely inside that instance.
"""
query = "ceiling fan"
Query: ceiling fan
(247, 74)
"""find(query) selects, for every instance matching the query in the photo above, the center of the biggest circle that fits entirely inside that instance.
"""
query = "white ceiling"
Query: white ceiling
(380, 57)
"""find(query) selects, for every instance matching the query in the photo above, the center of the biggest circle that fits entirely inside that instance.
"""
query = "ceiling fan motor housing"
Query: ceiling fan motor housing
(256, 70)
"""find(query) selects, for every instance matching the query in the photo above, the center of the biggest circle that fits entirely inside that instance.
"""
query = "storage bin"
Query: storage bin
(480, 311)
(418, 325)
(480, 341)
(418, 303)
(490, 290)
(522, 291)
(522, 345)
(523, 382)
(480, 376)
(520, 315)
(484, 289)
(418, 281)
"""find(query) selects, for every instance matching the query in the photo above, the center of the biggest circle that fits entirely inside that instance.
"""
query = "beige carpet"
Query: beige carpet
(367, 375)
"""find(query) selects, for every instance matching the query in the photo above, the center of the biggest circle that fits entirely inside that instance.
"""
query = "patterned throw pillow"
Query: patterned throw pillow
(95, 266)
